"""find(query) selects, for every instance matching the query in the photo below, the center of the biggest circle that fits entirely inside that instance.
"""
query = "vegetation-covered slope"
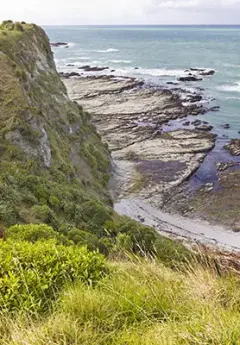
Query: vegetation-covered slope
(52, 159)
(138, 304)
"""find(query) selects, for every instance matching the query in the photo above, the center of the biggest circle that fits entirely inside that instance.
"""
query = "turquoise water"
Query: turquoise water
(162, 53)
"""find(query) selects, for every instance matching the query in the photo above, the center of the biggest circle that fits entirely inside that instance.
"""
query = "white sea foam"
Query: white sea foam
(160, 72)
(120, 61)
(107, 50)
(230, 88)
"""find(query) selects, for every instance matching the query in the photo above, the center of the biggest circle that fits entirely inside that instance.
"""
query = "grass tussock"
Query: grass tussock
(139, 303)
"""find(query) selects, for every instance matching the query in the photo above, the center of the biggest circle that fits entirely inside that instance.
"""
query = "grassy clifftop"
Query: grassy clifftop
(52, 159)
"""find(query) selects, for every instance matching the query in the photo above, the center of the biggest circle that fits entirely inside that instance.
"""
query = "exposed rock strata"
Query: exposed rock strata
(129, 116)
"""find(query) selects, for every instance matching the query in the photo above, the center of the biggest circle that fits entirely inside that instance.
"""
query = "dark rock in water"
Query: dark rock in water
(196, 122)
(205, 122)
(70, 65)
(68, 75)
(112, 70)
(215, 108)
(189, 78)
(171, 83)
(186, 123)
(207, 73)
(226, 126)
(66, 47)
(197, 69)
(204, 128)
(88, 68)
(195, 98)
(233, 147)
(136, 67)
(58, 44)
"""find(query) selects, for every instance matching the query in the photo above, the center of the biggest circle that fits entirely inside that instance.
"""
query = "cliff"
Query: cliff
(52, 159)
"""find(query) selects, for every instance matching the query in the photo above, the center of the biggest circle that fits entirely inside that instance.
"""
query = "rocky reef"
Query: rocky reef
(131, 117)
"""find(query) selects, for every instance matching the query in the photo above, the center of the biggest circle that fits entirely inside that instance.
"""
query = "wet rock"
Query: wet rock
(58, 44)
(215, 108)
(189, 78)
(207, 73)
(70, 65)
(222, 166)
(66, 47)
(196, 122)
(186, 123)
(136, 67)
(233, 147)
(204, 128)
(88, 68)
(171, 83)
(226, 126)
(195, 98)
(146, 160)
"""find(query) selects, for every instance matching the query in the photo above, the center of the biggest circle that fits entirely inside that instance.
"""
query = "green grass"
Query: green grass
(142, 303)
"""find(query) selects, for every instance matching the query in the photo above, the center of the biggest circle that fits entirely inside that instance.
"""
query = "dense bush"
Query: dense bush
(31, 275)
(31, 232)
(141, 236)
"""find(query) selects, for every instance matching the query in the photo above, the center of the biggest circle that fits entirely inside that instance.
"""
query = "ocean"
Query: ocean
(162, 54)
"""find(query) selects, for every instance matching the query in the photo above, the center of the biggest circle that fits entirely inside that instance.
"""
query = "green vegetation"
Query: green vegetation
(33, 275)
(52, 159)
(73, 271)
(138, 302)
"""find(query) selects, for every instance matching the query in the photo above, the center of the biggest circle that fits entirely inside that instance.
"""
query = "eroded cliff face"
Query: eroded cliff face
(51, 156)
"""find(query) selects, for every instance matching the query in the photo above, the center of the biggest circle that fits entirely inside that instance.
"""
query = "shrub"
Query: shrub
(31, 232)
(31, 275)
(85, 238)
(142, 237)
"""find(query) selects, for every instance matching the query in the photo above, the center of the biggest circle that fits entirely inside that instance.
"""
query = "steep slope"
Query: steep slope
(52, 159)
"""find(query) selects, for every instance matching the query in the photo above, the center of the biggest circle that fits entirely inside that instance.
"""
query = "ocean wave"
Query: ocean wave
(120, 61)
(160, 72)
(230, 88)
(107, 50)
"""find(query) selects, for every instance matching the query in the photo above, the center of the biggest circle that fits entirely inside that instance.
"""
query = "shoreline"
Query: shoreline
(145, 133)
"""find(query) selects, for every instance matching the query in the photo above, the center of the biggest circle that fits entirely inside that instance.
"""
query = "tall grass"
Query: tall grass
(139, 303)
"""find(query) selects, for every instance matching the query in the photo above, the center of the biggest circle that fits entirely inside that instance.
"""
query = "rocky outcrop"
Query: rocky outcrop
(147, 161)
(58, 44)
(233, 147)
(88, 68)
(189, 78)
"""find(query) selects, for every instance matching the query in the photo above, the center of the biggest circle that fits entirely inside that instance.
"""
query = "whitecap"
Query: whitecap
(120, 61)
(230, 88)
(107, 50)
(160, 72)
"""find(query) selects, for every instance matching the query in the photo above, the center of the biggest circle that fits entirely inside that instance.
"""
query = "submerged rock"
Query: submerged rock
(189, 78)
